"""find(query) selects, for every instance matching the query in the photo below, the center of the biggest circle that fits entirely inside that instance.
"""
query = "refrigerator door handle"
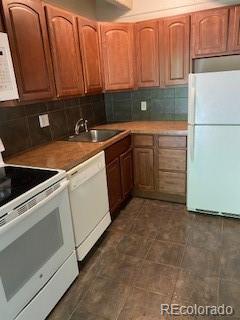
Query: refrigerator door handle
(192, 99)
(191, 137)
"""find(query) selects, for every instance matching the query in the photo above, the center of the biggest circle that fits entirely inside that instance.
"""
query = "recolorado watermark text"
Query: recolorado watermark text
(196, 310)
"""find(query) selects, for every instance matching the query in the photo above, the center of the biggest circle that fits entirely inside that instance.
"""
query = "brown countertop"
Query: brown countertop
(62, 154)
(66, 155)
(150, 127)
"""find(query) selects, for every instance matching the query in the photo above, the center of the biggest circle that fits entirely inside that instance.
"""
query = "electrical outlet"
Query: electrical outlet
(44, 120)
(143, 105)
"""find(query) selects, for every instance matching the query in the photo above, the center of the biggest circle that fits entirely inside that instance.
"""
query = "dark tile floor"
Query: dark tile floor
(156, 252)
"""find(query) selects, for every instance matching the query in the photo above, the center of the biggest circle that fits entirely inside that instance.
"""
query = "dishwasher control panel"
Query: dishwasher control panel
(86, 170)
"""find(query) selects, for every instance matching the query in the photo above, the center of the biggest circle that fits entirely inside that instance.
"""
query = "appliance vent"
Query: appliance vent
(122, 3)
(231, 215)
(49, 191)
(2, 222)
(56, 186)
(32, 203)
(207, 211)
(22, 209)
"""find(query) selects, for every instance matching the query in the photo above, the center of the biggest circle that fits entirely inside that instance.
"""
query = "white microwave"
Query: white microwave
(8, 85)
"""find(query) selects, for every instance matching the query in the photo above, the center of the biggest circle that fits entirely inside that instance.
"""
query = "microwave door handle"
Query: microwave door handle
(5, 228)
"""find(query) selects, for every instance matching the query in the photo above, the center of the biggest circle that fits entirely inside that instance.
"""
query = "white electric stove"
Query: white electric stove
(37, 255)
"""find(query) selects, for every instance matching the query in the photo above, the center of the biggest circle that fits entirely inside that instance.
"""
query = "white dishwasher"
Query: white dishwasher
(89, 203)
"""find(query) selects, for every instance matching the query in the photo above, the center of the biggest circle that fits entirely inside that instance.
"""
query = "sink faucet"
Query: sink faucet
(81, 123)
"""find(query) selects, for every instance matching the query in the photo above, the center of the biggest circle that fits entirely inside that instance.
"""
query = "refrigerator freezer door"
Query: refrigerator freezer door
(213, 182)
(214, 98)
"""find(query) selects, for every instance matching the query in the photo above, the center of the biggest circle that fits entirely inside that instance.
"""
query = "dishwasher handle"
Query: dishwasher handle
(84, 174)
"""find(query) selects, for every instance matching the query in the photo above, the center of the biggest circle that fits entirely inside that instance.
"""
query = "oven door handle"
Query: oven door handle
(18, 218)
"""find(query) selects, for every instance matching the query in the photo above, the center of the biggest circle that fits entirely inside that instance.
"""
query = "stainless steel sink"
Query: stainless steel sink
(93, 135)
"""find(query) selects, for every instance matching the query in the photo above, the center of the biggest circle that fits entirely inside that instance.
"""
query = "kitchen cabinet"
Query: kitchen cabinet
(126, 163)
(234, 29)
(160, 167)
(172, 163)
(66, 57)
(117, 55)
(90, 50)
(143, 162)
(114, 184)
(210, 32)
(143, 169)
(2, 28)
(27, 32)
(119, 172)
(147, 53)
(177, 49)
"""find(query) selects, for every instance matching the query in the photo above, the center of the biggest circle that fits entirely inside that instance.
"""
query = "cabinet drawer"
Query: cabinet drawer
(117, 148)
(172, 183)
(143, 140)
(172, 142)
(170, 159)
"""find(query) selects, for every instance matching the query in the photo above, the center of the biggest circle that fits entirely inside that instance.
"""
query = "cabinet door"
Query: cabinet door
(143, 169)
(26, 28)
(89, 43)
(147, 52)
(117, 55)
(114, 184)
(65, 52)
(234, 30)
(209, 32)
(2, 29)
(126, 160)
(177, 49)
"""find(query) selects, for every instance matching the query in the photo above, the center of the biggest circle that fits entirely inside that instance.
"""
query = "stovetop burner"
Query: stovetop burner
(14, 181)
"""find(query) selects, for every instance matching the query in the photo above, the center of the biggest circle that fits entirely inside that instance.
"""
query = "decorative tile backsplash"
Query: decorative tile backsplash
(20, 129)
(162, 104)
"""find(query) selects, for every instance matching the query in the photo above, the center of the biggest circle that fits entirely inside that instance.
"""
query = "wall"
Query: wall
(19, 126)
(150, 9)
(162, 104)
(85, 8)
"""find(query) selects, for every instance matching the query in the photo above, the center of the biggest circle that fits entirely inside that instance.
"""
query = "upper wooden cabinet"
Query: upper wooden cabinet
(64, 44)
(147, 53)
(210, 32)
(234, 32)
(89, 44)
(117, 55)
(177, 49)
(26, 28)
(2, 29)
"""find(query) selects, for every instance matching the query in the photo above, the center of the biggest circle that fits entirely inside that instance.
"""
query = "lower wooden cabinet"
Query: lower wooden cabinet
(126, 164)
(114, 184)
(172, 183)
(160, 167)
(119, 167)
(143, 168)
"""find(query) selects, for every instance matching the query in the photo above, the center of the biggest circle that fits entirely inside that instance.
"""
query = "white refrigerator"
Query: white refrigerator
(213, 181)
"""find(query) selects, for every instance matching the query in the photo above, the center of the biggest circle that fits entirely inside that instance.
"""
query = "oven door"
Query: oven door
(32, 248)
